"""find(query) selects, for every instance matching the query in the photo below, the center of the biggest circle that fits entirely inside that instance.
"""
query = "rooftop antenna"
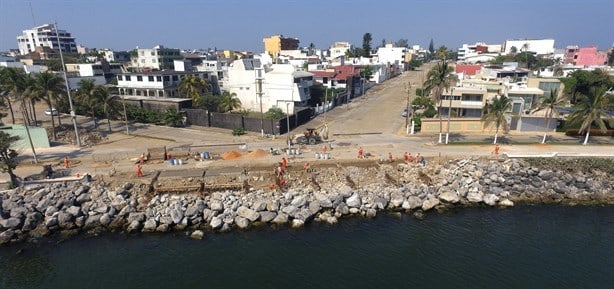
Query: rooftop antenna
(32, 12)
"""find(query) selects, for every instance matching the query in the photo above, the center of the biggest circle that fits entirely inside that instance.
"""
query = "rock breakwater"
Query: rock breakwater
(34, 211)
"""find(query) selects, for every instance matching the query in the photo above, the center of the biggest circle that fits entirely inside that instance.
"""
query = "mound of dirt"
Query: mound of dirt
(257, 154)
(231, 155)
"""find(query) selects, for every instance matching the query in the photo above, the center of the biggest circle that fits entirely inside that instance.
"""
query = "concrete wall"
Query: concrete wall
(38, 135)
(475, 125)
(536, 124)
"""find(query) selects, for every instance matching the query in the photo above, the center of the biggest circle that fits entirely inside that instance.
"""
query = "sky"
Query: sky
(241, 25)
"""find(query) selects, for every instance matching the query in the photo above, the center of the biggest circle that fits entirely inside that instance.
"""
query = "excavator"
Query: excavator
(313, 135)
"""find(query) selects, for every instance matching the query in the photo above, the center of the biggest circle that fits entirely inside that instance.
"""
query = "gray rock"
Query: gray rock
(490, 199)
(248, 213)
(6, 236)
(325, 203)
(197, 235)
(136, 216)
(314, 207)
(414, 202)
(380, 203)
(127, 186)
(290, 210)
(546, 175)
(74, 210)
(406, 205)
(506, 203)
(299, 201)
(18, 212)
(450, 197)
(217, 206)
(241, 222)
(105, 219)
(343, 209)
(475, 197)
(91, 221)
(101, 209)
(51, 221)
(65, 220)
(176, 215)
(135, 226)
(304, 215)
(31, 221)
(371, 213)
(83, 198)
(297, 223)
(216, 223)
(266, 216)
(80, 221)
(430, 203)
(331, 220)
(354, 201)
(281, 218)
(10, 223)
(354, 210)
(163, 228)
(259, 206)
(272, 205)
(345, 191)
(81, 190)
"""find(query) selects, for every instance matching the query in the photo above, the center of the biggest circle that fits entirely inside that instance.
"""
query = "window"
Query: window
(127, 77)
(119, 77)
(150, 78)
(158, 78)
(167, 78)
(175, 78)
(139, 78)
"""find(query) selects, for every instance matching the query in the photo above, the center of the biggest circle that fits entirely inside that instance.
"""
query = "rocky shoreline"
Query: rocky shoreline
(33, 212)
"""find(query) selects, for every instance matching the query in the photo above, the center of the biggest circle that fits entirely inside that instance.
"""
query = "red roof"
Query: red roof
(468, 69)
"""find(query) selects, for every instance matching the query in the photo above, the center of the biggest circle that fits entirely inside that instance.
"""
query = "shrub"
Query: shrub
(238, 131)
(430, 112)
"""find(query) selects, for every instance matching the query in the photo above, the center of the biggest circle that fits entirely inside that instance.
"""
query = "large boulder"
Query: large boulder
(450, 197)
(198, 235)
(10, 223)
(65, 219)
(414, 202)
(430, 203)
(299, 201)
(475, 197)
(281, 218)
(248, 213)
(216, 206)
(176, 215)
(506, 203)
(216, 223)
(150, 225)
(354, 201)
(545, 175)
(490, 199)
(241, 222)
(266, 216)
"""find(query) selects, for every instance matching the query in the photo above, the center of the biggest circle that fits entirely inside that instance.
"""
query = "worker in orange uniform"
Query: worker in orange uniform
(306, 167)
(496, 151)
(405, 157)
(66, 162)
(390, 157)
(324, 149)
(360, 153)
(409, 158)
(284, 163)
(139, 170)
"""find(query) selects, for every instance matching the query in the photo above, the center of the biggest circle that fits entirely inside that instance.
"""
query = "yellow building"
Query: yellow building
(276, 43)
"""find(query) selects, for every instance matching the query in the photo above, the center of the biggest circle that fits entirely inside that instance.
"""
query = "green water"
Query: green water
(523, 247)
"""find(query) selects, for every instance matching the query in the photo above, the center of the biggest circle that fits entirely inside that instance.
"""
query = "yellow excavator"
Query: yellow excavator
(313, 135)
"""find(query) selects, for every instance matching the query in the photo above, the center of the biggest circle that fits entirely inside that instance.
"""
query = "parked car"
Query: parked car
(404, 113)
(52, 111)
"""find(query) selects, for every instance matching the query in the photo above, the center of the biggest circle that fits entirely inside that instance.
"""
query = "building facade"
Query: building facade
(536, 46)
(45, 36)
(276, 43)
(163, 84)
(585, 56)
(157, 58)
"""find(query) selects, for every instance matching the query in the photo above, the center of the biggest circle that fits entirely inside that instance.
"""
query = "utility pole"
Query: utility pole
(72, 111)
(449, 114)
(259, 93)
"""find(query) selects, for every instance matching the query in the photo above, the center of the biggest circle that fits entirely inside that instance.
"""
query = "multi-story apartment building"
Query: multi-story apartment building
(157, 58)
(163, 84)
(339, 49)
(276, 43)
(45, 36)
(536, 46)
(585, 56)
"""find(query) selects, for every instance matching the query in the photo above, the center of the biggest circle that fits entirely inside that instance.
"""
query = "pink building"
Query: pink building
(586, 56)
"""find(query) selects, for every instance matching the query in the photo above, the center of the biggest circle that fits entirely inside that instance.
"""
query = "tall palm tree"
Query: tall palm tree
(591, 108)
(48, 86)
(12, 84)
(549, 103)
(193, 87)
(525, 48)
(110, 105)
(229, 102)
(439, 79)
(494, 111)
(91, 96)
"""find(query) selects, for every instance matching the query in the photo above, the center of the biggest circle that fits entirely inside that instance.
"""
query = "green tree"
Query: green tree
(192, 87)
(549, 102)
(12, 85)
(91, 96)
(591, 108)
(209, 102)
(110, 105)
(229, 102)
(494, 112)
(580, 82)
(423, 102)
(611, 57)
(8, 157)
(513, 50)
(401, 43)
(274, 113)
(172, 117)
(431, 47)
(442, 53)
(366, 72)
(439, 79)
(366, 45)
(49, 86)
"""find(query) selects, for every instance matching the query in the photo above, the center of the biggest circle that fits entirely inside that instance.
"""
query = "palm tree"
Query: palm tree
(525, 48)
(229, 102)
(192, 87)
(12, 84)
(494, 111)
(591, 108)
(110, 105)
(549, 103)
(438, 79)
(91, 95)
(48, 86)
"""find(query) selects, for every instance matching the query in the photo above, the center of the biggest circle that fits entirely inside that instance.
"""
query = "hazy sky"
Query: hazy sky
(241, 25)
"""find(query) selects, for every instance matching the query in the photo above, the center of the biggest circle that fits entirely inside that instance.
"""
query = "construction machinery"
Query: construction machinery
(313, 135)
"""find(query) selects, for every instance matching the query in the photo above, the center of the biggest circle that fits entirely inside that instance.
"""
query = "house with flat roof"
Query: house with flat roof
(160, 84)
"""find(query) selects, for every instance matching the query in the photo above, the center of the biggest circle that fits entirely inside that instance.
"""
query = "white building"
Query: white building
(157, 58)
(93, 69)
(282, 85)
(391, 55)
(339, 49)
(154, 83)
(537, 46)
(45, 36)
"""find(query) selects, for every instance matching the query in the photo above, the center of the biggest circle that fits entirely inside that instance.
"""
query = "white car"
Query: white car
(52, 111)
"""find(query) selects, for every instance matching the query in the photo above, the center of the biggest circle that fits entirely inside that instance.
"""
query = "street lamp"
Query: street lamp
(288, 123)
(72, 111)
(125, 113)
(449, 114)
